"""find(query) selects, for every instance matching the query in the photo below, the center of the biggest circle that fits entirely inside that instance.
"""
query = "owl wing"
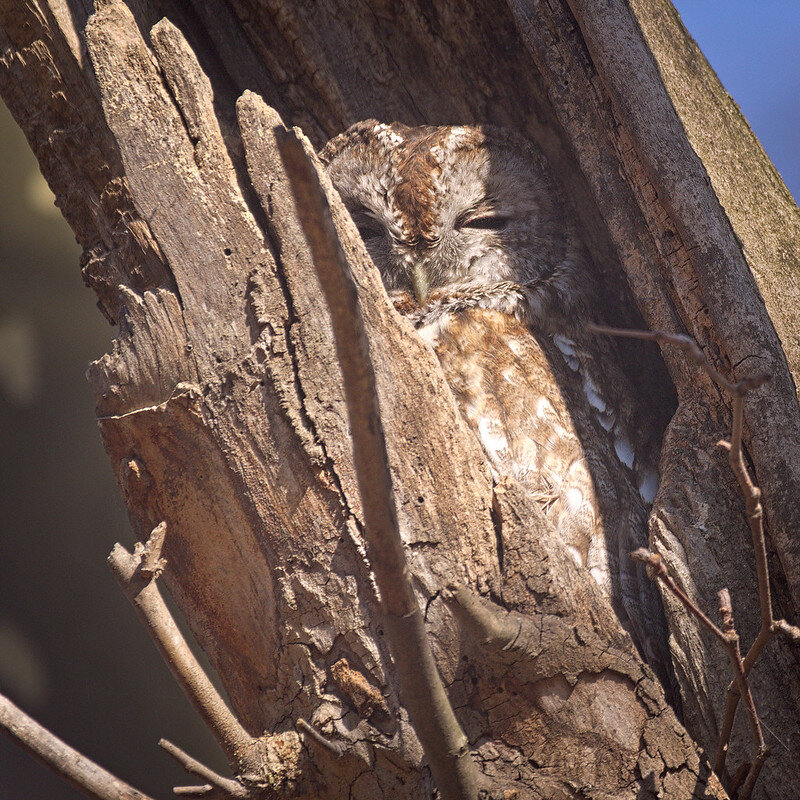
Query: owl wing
(539, 413)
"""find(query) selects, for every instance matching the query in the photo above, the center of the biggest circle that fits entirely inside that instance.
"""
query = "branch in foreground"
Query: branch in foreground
(315, 736)
(76, 769)
(691, 348)
(422, 691)
(762, 751)
(257, 761)
(226, 787)
(730, 639)
(136, 573)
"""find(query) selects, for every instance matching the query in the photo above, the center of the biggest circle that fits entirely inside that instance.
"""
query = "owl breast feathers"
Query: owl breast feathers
(476, 245)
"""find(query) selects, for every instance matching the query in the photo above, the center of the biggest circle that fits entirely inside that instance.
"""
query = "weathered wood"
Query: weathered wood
(688, 271)
(222, 405)
(43, 57)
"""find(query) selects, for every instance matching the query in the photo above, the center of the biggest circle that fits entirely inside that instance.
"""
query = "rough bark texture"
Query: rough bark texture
(222, 406)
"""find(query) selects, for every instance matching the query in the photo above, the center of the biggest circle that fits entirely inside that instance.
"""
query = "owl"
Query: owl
(476, 246)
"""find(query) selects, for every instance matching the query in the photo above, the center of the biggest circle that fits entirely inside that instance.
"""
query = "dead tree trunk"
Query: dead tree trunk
(223, 409)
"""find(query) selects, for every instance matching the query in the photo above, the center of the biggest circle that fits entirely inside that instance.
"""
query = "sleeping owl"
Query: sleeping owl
(475, 244)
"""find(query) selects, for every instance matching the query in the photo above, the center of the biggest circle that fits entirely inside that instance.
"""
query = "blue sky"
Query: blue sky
(754, 47)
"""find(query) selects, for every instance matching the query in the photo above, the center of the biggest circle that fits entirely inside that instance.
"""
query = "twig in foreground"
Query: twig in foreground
(762, 751)
(76, 769)
(755, 516)
(691, 348)
(730, 639)
(136, 574)
(248, 756)
(227, 786)
(332, 747)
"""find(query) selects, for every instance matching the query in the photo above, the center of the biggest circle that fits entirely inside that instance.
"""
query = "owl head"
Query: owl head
(458, 208)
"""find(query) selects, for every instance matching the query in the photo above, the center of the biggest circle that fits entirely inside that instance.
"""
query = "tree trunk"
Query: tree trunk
(223, 408)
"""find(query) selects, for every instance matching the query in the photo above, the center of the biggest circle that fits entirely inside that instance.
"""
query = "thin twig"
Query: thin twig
(789, 632)
(195, 767)
(728, 636)
(316, 736)
(141, 589)
(76, 769)
(206, 791)
(659, 571)
(739, 778)
(487, 623)
(422, 691)
(690, 347)
(755, 518)
(732, 642)
(747, 788)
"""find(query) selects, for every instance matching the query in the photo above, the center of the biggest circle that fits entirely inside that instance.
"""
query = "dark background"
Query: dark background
(72, 652)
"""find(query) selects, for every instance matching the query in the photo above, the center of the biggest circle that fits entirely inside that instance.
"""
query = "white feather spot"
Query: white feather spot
(430, 333)
(599, 575)
(515, 347)
(510, 376)
(574, 500)
(567, 348)
(564, 344)
(607, 419)
(493, 441)
(648, 485)
(593, 394)
(624, 449)
(544, 408)
(576, 555)
(385, 132)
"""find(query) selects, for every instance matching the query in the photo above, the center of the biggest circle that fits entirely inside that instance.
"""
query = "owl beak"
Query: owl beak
(420, 283)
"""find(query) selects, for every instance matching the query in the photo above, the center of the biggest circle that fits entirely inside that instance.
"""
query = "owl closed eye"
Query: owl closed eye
(458, 207)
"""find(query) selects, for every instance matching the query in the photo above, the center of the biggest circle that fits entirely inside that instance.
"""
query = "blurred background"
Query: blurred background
(72, 652)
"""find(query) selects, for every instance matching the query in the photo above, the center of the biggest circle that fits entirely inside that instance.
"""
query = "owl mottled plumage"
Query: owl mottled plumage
(475, 244)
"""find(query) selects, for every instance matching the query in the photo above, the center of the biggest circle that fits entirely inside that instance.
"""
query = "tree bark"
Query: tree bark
(222, 405)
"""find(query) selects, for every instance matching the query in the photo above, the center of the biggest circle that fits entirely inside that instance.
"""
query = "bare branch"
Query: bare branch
(76, 769)
(422, 691)
(490, 625)
(732, 643)
(728, 636)
(266, 760)
(691, 348)
(789, 632)
(316, 736)
(206, 791)
(658, 571)
(193, 766)
(135, 573)
(752, 776)
(755, 518)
